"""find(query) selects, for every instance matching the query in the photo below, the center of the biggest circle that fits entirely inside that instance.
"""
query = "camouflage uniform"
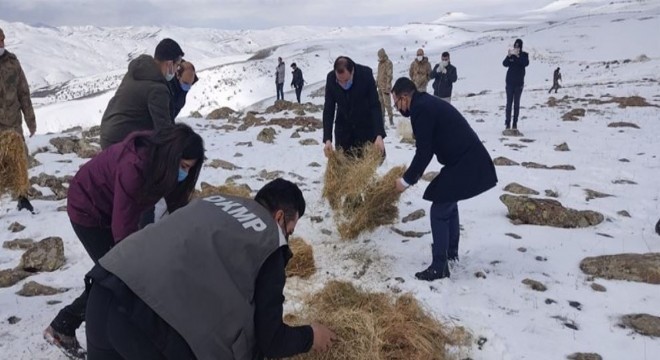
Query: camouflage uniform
(384, 83)
(420, 72)
(14, 104)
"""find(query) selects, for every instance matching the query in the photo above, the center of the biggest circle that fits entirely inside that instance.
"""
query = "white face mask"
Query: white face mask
(420, 58)
(445, 63)
(2, 51)
(169, 76)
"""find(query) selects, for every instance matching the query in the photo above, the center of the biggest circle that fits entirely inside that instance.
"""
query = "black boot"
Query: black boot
(431, 274)
(24, 203)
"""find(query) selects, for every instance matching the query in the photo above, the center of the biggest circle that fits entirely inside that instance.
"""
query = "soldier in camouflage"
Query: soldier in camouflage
(15, 103)
(384, 83)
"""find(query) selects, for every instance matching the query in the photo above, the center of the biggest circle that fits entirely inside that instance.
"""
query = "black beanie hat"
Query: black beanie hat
(519, 43)
(168, 49)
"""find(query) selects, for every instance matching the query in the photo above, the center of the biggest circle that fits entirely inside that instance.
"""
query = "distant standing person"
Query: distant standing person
(351, 90)
(297, 82)
(185, 78)
(279, 78)
(556, 78)
(15, 104)
(384, 83)
(444, 75)
(142, 100)
(516, 60)
(420, 71)
(467, 170)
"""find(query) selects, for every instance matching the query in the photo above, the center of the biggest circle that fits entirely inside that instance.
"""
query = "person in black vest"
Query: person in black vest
(297, 81)
(351, 89)
(444, 75)
(206, 282)
(516, 60)
(468, 170)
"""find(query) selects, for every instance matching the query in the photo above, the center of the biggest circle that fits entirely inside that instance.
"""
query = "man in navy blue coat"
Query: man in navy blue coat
(468, 170)
(350, 89)
(516, 61)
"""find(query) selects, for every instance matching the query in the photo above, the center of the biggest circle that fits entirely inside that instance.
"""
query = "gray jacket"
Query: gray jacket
(142, 102)
(197, 270)
(279, 73)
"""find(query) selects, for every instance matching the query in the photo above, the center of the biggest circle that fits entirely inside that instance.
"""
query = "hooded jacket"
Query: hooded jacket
(515, 75)
(359, 117)
(14, 95)
(420, 73)
(385, 69)
(442, 131)
(142, 102)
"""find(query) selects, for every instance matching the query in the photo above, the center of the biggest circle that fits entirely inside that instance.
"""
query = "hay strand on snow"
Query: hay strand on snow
(13, 164)
(302, 263)
(241, 190)
(377, 326)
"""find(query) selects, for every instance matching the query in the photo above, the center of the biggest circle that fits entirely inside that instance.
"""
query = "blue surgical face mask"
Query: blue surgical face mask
(348, 85)
(185, 87)
(182, 175)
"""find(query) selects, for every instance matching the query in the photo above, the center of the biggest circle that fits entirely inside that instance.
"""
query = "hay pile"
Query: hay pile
(377, 326)
(13, 164)
(360, 199)
(302, 263)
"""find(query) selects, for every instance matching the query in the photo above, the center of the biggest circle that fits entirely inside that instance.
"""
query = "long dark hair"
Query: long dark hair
(165, 150)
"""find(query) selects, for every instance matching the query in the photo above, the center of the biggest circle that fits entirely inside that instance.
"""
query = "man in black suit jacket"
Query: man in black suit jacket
(468, 170)
(351, 90)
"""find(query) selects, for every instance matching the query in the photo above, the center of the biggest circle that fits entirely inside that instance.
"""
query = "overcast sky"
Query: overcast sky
(246, 14)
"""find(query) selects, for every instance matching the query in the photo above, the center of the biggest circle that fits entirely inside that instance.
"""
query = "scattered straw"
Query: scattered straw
(302, 263)
(377, 326)
(241, 190)
(13, 164)
(361, 201)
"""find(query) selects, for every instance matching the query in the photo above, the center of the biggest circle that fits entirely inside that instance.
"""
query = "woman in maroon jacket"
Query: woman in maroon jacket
(108, 194)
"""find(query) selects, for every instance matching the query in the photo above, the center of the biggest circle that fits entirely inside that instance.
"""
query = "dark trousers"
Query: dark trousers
(298, 91)
(446, 233)
(513, 94)
(97, 242)
(555, 87)
(110, 333)
(280, 91)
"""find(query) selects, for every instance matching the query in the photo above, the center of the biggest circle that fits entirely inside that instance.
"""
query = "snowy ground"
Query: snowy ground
(584, 39)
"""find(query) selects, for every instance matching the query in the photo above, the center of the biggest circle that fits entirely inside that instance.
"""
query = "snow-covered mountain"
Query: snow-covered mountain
(605, 49)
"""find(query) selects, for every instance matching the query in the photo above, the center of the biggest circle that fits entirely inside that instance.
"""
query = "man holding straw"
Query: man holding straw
(468, 170)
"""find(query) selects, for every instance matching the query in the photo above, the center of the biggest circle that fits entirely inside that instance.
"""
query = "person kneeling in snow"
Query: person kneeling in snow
(205, 282)
(468, 170)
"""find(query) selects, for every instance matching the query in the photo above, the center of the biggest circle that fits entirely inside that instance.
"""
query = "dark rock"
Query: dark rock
(512, 132)
(622, 124)
(326, 232)
(9, 277)
(515, 236)
(624, 182)
(575, 304)
(314, 164)
(593, 194)
(33, 288)
(46, 255)
(415, 215)
(295, 135)
(574, 115)
(527, 140)
(520, 189)
(605, 235)
(16, 227)
(534, 285)
(598, 287)
(316, 219)
(566, 322)
(54, 183)
(480, 275)
(267, 135)
(643, 324)
(226, 165)
(632, 267)
(562, 147)
(550, 193)
(13, 320)
(270, 175)
(522, 249)
(550, 302)
(244, 143)
(306, 142)
(18, 244)
(409, 233)
(93, 132)
(72, 144)
(232, 179)
(53, 302)
(624, 160)
(541, 258)
(221, 113)
(548, 212)
(305, 123)
(502, 161)
(584, 356)
(533, 165)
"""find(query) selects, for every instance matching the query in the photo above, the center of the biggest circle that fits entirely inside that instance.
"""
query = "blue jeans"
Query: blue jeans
(446, 233)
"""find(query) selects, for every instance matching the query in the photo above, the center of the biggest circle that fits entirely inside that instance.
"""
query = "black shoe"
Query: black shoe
(515, 126)
(431, 274)
(24, 203)
(507, 126)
